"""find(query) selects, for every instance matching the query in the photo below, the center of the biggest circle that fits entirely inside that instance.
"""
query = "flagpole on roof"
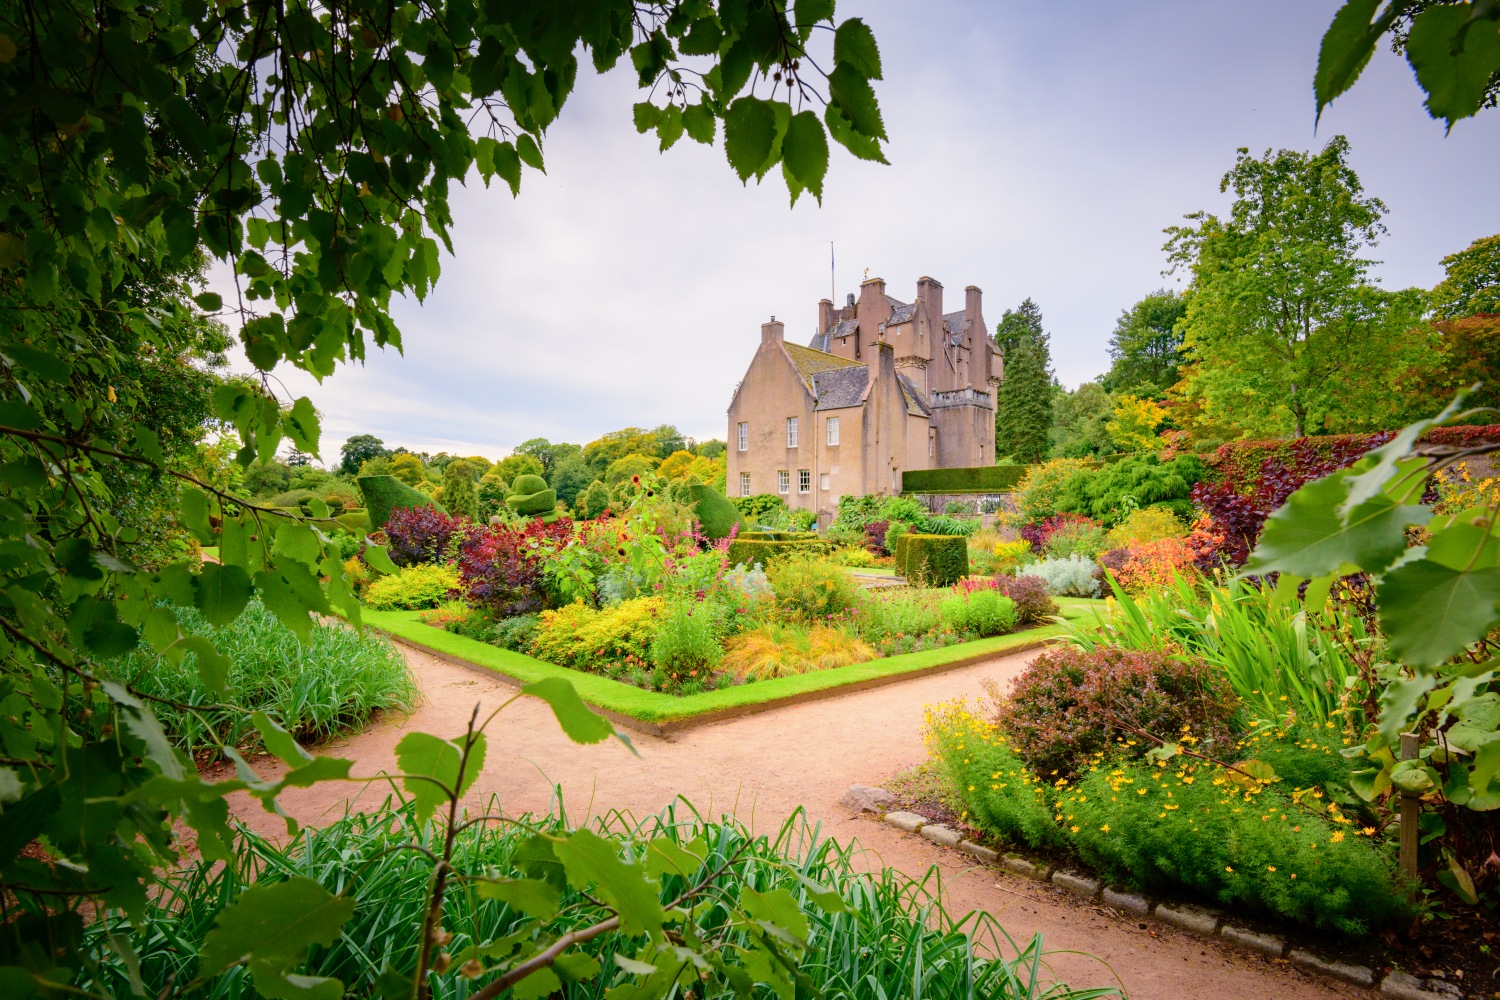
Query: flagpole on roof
(833, 290)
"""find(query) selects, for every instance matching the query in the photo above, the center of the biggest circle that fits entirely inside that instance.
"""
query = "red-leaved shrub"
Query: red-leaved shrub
(501, 568)
(875, 536)
(420, 534)
(1033, 602)
(1071, 705)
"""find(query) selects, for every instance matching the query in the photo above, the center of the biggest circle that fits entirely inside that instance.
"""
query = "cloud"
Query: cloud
(1037, 150)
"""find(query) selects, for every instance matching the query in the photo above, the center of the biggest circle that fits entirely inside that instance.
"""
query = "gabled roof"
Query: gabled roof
(840, 387)
(901, 312)
(810, 361)
(957, 322)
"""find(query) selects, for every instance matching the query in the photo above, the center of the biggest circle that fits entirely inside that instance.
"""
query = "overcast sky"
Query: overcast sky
(1038, 148)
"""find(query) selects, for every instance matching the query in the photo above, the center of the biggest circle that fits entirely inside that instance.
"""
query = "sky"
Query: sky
(1038, 148)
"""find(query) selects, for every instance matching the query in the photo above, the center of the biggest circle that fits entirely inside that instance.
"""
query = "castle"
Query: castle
(884, 387)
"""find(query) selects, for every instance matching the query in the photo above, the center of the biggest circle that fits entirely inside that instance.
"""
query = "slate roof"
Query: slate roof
(810, 361)
(957, 322)
(916, 406)
(901, 312)
(840, 387)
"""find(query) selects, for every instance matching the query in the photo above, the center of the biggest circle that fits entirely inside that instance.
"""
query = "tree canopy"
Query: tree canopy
(1284, 329)
(1023, 402)
(1146, 346)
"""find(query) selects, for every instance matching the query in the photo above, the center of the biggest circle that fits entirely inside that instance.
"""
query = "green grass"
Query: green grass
(211, 551)
(652, 706)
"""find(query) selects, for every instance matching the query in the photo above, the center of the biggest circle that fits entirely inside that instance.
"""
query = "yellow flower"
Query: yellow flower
(1368, 831)
(1104, 828)
(1338, 835)
(1074, 829)
(1228, 869)
(1270, 868)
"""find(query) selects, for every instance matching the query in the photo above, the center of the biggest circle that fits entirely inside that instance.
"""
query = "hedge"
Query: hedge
(758, 551)
(778, 536)
(714, 512)
(354, 521)
(981, 479)
(933, 560)
(384, 494)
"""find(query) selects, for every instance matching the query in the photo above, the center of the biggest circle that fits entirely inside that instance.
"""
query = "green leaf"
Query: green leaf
(646, 116)
(193, 507)
(1307, 537)
(852, 95)
(209, 301)
(291, 593)
(808, 14)
(221, 592)
(269, 927)
(1346, 49)
(590, 859)
(665, 857)
(749, 133)
(1455, 55)
(669, 126)
(1376, 469)
(532, 897)
(299, 541)
(700, 123)
(1370, 783)
(578, 721)
(542, 983)
(301, 424)
(107, 639)
(529, 152)
(805, 152)
(430, 767)
(213, 666)
(854, 46)
(43, 364)
(278, 741)
(1430, 612)
(776, 908)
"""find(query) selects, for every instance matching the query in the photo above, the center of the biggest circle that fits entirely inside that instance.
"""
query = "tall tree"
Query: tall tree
(359, 449)
(1472, 281)
(668, 440)
(1078, 421)
(539, 449)
(1285, 330)
(1146, 346)
(459, 493)
(1023, 402)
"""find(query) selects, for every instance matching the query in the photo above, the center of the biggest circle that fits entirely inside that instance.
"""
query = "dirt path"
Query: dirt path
(761, 768)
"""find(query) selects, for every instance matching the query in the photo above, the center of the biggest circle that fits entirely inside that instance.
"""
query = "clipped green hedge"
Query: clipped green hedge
(759, 551)
(354, 521)
(899, 552)
(779, 536)
(384, 494)
(935, 560)
(981, 479)
(714, 512)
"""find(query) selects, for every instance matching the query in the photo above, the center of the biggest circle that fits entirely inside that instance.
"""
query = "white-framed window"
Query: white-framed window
(744, 436)
(823, 481)
(833, 430)
(804, 480)
(895, 480)
(791, 432)
(744, 481)
(783, 481)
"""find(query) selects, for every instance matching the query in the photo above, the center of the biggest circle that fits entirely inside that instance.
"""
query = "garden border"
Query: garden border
(1200, 920)
(658, 714)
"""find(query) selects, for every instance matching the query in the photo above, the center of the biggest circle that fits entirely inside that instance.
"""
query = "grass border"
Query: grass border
(661, 714)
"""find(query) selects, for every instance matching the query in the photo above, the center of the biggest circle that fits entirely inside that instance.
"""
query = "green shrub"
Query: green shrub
(1069, 706)
(1082, 538)
(760, 508)
(1111, 493)
(1150, 524)
(943, 525)
(854, 556)
(594, 501)
(1234, 840)
(424, 585)
(760, 552)
(982, 612)
(532, 498)
(580, 636)
(459, 494)
(335, 683)
(810, 586)
(982, 479)
(893, 539)
(514, 633)
(715, 514)
(384, 494)
(935, 560)
(356, 522)
(897, 548)
(687, 641)
(912, 613)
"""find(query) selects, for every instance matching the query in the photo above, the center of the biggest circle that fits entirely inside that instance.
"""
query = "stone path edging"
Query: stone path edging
(1187, 917)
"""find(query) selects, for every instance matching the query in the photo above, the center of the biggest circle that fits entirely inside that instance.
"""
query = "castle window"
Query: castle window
(931, 446)
(783, 481)
(833, 430)
(744, 432)
(804, 481)
(895, 480)
(791, 432)
(823, 481)
(744, 481)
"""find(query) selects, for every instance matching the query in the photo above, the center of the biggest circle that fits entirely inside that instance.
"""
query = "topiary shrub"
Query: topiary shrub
(760, 551)
(532, 498)
(934, 560)
(384, 494)
(717, 516)
(1070, 705)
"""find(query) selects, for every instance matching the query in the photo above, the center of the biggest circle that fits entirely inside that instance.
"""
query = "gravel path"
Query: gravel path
(763, 767)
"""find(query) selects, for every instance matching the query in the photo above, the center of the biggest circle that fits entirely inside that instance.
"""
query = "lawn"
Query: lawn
(659, 711)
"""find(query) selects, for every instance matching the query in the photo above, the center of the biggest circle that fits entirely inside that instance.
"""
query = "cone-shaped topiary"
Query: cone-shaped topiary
(714, 512)
(532, 498)
(384, 494)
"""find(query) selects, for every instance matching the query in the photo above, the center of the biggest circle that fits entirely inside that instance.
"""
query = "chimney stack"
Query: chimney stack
(772, 333)
(825, 315)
